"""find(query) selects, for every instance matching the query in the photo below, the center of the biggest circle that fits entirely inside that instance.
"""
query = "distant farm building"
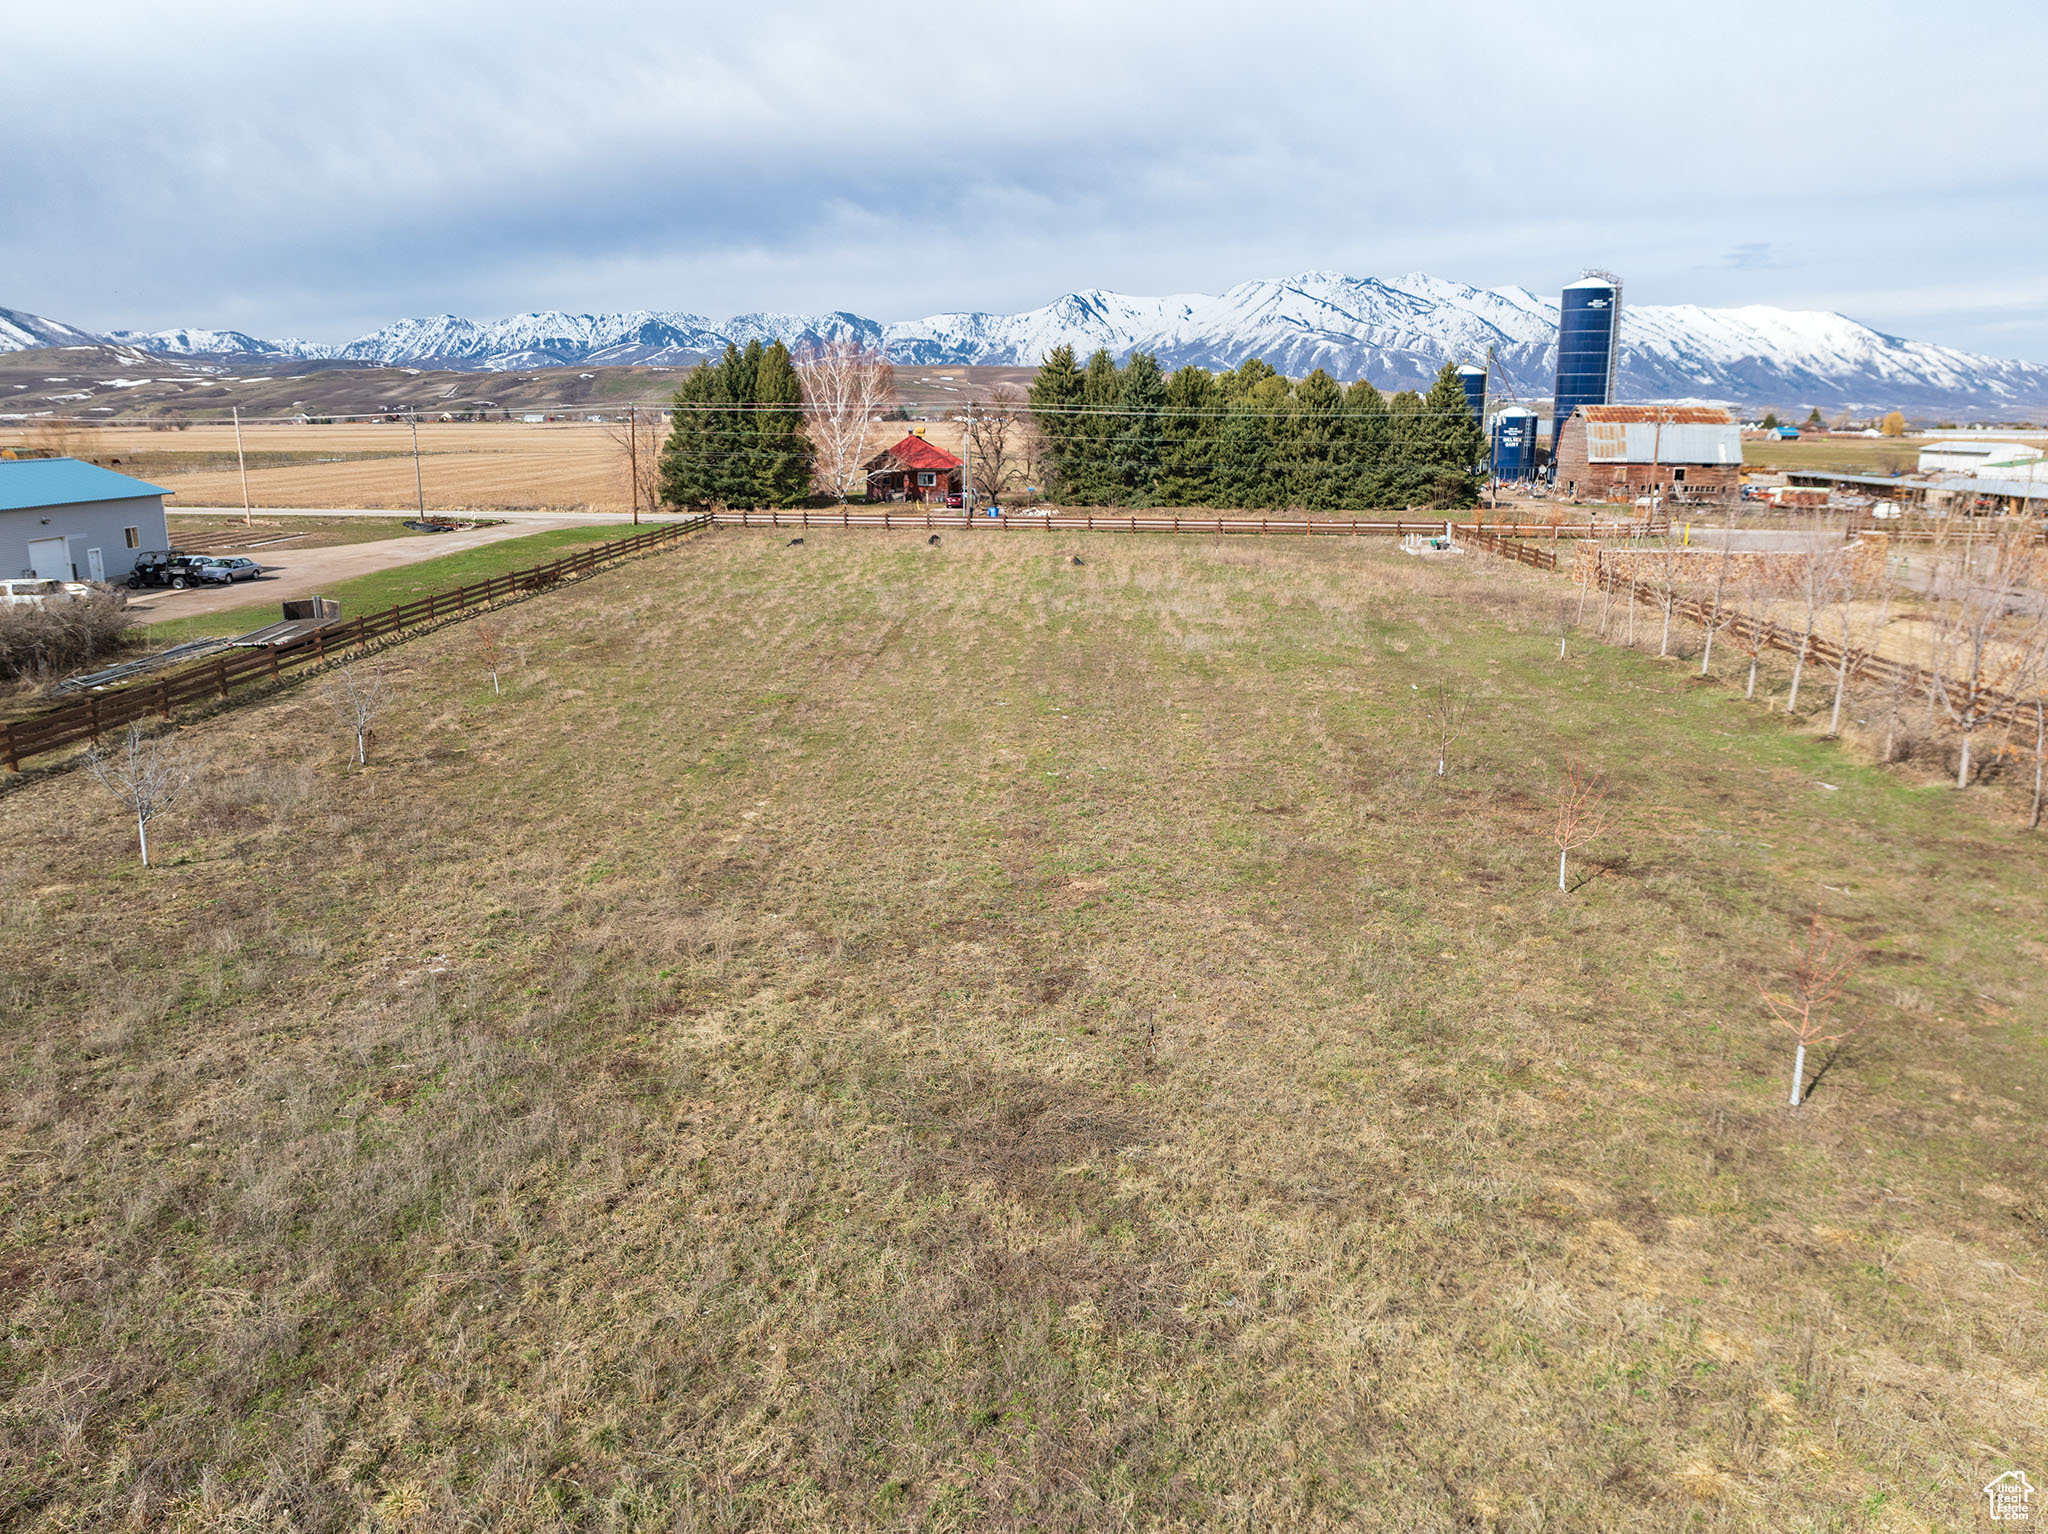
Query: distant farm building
(913, 470)
(1620, 452)
(62, 520)
(1953, 456)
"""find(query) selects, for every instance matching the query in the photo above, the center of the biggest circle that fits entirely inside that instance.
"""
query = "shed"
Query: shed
(62, 520)
(913, 470)
(1684, 452)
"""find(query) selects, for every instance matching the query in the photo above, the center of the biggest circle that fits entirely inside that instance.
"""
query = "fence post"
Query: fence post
(220, 672)
(13, 757)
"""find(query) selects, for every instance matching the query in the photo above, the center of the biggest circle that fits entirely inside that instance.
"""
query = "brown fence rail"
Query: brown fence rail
(1753, 633)
(1138, 522)
(217, 676)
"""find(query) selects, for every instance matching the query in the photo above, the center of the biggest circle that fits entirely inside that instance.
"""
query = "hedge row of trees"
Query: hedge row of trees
(1133, 436)
(737, 434)
(1116, 436)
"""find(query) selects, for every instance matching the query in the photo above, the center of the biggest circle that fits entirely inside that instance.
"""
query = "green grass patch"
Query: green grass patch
(406, 583)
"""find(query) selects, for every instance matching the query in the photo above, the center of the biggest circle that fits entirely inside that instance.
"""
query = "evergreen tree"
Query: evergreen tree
(1189, 437)
(782, 466)
(718, 451)
(1095, 469)
(736, 476)
(1402, 481)
(1449, 446)
(1316, 444)
(1365, 437)
(687, 464)
(1055, 394)
(1141, 397)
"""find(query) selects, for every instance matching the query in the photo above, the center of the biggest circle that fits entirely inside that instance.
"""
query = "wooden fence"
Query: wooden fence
(1754, 633)
(218, 676)
(1144, 522)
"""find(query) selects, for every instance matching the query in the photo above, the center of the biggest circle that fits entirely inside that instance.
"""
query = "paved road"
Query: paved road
(310, 572)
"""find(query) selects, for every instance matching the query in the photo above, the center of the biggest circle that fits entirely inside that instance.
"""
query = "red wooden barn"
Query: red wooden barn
(913, 470)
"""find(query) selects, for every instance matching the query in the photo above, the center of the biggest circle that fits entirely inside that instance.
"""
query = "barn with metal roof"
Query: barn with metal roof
(1682, 452)
(62, 520)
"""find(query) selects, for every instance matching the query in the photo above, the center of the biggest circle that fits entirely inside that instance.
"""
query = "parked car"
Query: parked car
(240, 569)
(955, 502)
(208, 570)
(37, 592)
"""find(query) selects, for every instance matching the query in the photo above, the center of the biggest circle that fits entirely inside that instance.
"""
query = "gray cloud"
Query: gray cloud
(321, 174)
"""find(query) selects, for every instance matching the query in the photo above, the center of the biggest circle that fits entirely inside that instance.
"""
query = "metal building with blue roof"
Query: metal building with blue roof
(62, 520)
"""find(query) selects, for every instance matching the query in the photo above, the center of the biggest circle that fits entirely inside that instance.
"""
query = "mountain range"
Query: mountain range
(1397, 332)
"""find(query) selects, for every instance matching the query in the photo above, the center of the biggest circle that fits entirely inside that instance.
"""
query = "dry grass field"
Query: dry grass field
(475, 466)
(1845, 455)
(464, 466)
(873, 1035)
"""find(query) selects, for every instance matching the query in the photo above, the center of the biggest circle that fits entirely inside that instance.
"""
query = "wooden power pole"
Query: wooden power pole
(247, 520)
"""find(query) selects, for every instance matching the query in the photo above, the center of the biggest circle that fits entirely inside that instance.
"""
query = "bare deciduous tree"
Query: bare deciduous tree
(1847, 632)
(847, 387)
(1668, 560)
(1991, 637)
(639, 440)
(358, 697)
(1447, 709)
(145, 775)
(1818, 583)
(1807, 1008)
(1716, 614)
(995, 429)
(491, 649)
(1581, 811)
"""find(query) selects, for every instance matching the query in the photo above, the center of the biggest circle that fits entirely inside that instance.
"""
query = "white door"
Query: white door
(50, 559)
(95, 566)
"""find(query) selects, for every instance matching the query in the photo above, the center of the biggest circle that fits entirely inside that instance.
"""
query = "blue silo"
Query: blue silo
(1588, 346)
(1474, 382)
(1514, 444)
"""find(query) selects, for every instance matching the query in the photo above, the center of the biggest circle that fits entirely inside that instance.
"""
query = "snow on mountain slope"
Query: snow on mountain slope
(19, 332)
(1395, 331)
(190, 341)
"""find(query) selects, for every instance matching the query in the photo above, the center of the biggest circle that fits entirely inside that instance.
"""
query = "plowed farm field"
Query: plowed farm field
(467, 466)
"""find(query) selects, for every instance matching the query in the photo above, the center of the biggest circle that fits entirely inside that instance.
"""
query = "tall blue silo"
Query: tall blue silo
(1588, 346)
(1474, 382)
(1514, 444)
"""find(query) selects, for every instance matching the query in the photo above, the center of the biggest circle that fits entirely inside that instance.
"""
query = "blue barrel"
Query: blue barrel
(1588, 346)
(1514, 444)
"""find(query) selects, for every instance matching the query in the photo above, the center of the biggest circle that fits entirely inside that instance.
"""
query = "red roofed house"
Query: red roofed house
(913, 470)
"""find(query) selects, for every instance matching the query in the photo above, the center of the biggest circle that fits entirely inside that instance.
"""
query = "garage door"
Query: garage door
(50, 559)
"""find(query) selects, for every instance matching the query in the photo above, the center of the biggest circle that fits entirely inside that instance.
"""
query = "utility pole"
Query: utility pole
(967, 465)
(1656, 462)
(247, 520)
(418, 485)
(633, 456)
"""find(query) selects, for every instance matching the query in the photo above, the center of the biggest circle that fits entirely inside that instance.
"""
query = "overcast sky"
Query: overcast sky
(299, 171)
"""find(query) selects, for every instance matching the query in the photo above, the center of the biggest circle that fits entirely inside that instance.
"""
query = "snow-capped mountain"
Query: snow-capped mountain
(193, 342)
(19, 332)
(1397, 332)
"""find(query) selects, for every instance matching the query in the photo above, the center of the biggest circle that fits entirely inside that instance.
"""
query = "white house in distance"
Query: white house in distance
(62, 520)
